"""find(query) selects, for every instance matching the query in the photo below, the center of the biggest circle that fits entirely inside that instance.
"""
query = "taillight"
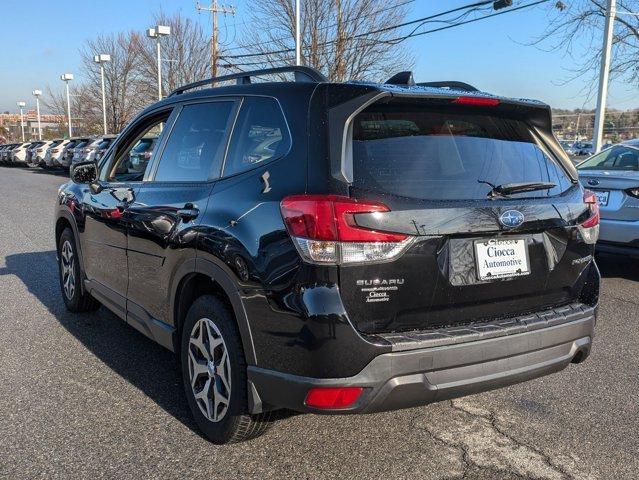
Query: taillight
(332, 397)
(323, 228)
(55, 150)
(590, 228)
(87, 150)
(477, 101)
(633, 192)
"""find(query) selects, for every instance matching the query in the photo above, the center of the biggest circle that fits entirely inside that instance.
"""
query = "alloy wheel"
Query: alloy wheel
(209, 370)
(67, 262)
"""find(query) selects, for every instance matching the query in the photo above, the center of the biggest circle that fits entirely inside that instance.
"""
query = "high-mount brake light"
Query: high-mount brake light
(477, 101)
(324, 229)
(590, 228)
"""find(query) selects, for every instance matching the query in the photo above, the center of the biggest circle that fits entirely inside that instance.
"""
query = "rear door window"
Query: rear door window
(260, 135)
(447, 154)
(195, 148)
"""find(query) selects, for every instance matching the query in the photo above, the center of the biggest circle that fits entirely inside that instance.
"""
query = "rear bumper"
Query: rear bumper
(619, 236)
(410, 378)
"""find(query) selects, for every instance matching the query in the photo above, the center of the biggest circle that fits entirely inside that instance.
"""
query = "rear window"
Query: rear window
(619, 157)
(440, 154)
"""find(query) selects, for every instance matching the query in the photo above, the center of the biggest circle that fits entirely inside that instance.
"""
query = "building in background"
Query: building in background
(52, 126)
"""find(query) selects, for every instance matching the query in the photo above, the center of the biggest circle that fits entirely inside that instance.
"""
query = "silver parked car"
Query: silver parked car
(95, 149)
(613, 175)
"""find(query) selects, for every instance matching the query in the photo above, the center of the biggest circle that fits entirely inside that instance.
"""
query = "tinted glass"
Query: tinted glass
(443, 155)
(615, 158)
(195, 147)
(260, 134)
(131, 164)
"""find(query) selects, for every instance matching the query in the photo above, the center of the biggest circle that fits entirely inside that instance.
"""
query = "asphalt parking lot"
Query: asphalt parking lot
(86, 396)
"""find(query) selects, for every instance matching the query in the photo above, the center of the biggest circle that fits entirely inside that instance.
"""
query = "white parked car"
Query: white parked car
(54, 153)
(19, 154)
(37, 158)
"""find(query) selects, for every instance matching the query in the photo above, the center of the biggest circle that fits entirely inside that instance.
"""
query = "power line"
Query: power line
(397, 40)
(521, 7)
(472, 5)
(240, 47)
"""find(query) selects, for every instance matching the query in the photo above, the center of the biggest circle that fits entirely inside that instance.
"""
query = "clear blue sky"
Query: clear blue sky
(39, 40)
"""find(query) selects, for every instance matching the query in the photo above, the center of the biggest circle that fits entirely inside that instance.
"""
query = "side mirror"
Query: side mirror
(84, 172)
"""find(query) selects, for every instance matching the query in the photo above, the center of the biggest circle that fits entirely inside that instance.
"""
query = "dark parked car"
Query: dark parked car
(336, 247)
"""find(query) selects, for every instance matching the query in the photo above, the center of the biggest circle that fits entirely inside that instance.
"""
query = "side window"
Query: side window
(133, 157)
(260, 134)
(195, 147)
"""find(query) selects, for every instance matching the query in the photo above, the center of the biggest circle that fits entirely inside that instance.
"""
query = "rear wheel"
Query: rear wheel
(75, 299)
(214, 374)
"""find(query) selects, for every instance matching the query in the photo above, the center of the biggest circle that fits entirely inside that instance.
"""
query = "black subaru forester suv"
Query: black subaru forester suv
(336, 247)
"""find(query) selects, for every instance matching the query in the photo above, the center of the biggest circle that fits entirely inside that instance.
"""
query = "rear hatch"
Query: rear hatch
(470, 252)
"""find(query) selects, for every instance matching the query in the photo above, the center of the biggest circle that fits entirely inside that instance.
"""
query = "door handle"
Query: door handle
(188, 212)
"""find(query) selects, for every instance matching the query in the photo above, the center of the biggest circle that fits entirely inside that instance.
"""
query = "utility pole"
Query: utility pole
(604, 72)
(214, 9)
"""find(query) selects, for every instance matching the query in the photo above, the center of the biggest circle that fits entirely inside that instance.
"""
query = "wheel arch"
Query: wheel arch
(199, 277)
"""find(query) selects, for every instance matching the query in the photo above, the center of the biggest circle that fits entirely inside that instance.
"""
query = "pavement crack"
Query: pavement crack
(619, 299)
(485, 447)
(546, 458)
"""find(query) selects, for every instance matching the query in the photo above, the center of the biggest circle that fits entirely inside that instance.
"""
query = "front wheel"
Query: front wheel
(214, 374)
(75, 299)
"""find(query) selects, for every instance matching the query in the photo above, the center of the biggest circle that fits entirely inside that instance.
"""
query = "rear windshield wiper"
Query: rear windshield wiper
(509, 188)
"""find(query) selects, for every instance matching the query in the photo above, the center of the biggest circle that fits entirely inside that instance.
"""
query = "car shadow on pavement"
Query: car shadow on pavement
(146, 365)
(142, 362)
(618, 266)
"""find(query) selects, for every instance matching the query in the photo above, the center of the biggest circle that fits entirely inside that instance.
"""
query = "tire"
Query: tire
(70, 275)
(208, 322)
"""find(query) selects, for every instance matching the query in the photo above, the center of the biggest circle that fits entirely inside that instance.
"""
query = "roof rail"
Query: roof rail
(302, 74)
(452, 84)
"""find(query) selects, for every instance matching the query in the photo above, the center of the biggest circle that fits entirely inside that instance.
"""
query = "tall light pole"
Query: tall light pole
(298, 45)
(37, 93)
(157, 32)
(101, 60)
(66, 78)
(604, 73)
(21, 105)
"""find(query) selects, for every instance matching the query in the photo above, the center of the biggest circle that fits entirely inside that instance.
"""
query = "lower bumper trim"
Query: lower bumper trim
(416, 377)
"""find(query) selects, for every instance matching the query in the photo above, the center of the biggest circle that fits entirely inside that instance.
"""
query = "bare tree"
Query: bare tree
(82, 119)
(576, 27)
(185, 54)
(345, 39)
(124, 78)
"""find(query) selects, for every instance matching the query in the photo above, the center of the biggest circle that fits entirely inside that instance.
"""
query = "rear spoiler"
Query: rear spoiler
(340, 119)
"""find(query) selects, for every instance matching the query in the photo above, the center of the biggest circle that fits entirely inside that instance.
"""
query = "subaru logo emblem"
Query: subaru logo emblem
(593, 181)
(511, 218)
